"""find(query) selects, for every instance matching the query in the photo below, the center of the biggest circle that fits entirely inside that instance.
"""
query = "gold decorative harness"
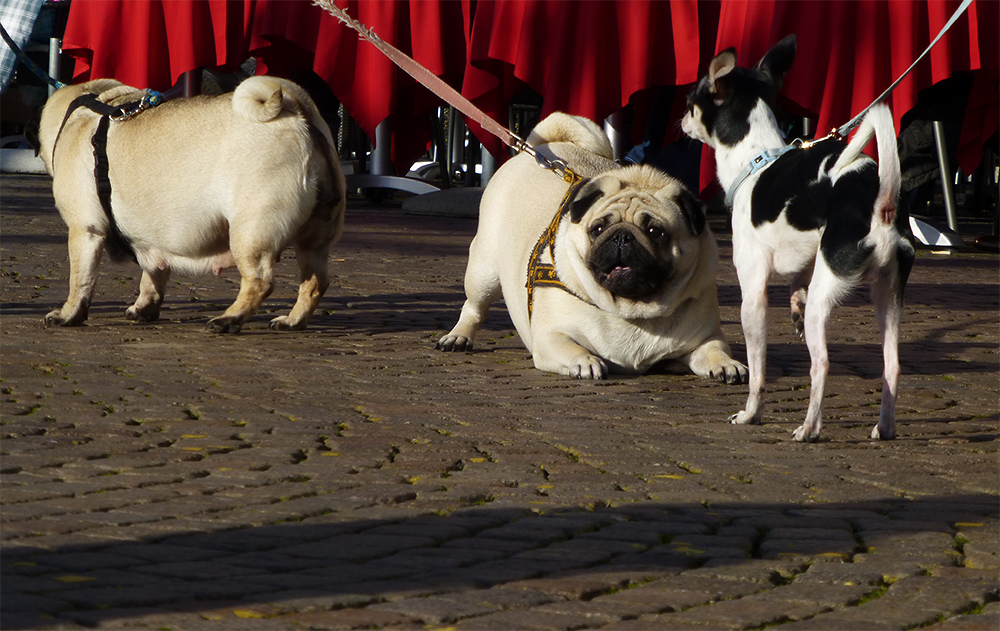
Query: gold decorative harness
(544, 274)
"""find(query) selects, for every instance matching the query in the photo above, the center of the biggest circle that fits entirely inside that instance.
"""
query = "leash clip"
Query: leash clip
(556, 165)
(834, 134)
(150, 98)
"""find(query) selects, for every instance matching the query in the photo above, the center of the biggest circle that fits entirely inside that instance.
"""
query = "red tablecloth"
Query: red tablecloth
(151, 43)
(587, 58)
(292, 35)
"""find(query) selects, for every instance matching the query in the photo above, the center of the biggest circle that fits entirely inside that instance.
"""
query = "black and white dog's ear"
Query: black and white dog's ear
(778, 61)
(719, 67)
(693, 210)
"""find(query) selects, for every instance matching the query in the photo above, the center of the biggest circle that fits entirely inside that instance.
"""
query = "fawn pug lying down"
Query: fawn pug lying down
(622, 279)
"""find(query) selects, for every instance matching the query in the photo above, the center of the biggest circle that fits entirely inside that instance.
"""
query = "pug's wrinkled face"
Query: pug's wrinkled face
(639, 224)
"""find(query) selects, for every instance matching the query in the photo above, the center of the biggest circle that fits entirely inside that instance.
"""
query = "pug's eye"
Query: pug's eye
(596, 230)
(654, 232)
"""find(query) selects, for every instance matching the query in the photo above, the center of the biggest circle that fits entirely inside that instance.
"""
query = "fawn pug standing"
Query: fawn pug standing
(826, 213)
(196, 185)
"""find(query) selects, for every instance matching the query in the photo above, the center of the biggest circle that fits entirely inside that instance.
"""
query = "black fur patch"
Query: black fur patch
(778, 61)
(853, 197)
(741, 89)
(738, 93)
(693, 210)
(794, 180)
(586, 194)
(624, 266)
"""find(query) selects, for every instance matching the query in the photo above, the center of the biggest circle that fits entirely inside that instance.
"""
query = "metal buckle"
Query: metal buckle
(809, 143)
(557, 165)
(149, 99)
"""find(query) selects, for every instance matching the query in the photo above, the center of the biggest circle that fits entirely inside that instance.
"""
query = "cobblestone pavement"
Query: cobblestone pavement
(156, 476)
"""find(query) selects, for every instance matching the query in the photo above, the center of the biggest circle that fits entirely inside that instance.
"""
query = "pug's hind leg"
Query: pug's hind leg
(86, 245)
(314, 282)
(152, 287)
(256, 283)
(482, 288)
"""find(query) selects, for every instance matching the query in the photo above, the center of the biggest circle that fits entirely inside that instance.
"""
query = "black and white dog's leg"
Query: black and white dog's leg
(753, 313)
(799, 286)
(887, 295)
(823, 293)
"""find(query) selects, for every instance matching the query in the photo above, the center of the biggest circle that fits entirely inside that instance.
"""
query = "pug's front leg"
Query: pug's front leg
(557, 352)
(461, 337)
(86, 245)
(712, 360)
(482, 288)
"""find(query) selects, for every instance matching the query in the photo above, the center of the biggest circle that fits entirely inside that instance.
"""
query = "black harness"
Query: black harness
(117, 245)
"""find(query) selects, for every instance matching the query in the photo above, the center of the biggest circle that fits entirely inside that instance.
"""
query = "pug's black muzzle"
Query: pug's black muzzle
(624, 264)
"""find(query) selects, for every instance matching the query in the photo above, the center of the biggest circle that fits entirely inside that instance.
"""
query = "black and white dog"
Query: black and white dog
(825, 212)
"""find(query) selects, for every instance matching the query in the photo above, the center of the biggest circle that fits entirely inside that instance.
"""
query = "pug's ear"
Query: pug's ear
(588, 193)
(31, 131)
(693, 210)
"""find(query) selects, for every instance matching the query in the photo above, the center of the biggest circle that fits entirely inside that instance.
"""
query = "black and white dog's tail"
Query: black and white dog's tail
(878, 123)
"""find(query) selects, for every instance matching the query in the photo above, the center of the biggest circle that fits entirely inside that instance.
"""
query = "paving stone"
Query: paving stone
(652, 598)
(988, 618)
(823, 594)
(448, 608)
(341, 619)
(528, 620)
(652, 622)
(744, 613)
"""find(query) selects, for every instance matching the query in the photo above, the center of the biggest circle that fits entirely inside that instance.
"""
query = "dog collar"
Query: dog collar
(544, 274)
(762, 160)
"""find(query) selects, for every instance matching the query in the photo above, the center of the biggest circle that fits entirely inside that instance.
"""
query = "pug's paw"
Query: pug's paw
(454, 343)
(284, 323)
(731, 372)
(56, 318)
(224, 324)
(587, 367)
(136, 314)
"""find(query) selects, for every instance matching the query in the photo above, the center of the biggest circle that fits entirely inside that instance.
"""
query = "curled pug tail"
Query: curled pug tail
(258, 99)
(580, 131)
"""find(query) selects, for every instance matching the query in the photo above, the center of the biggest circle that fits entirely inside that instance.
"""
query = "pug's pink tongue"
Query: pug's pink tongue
(619, 271)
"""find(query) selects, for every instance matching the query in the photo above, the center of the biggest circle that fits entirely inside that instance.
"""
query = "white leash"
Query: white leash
(854, 122)
(769, 156)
